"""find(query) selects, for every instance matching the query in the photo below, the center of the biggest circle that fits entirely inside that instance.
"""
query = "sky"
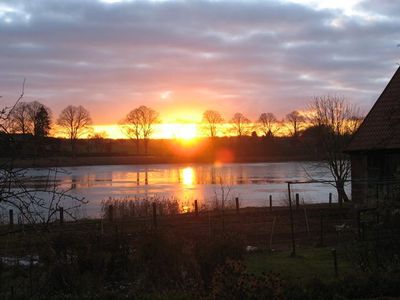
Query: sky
(183, 57)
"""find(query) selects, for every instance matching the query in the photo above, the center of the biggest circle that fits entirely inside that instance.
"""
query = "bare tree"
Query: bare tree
(74, 122)
(295, 122)
(39, 118)
(20, 119)
(240, 125)
(212, 120)
(268, 124)
(149, 117)
(33, 203)
(139, 124)
(23, 118)
(131, 126)
(336, 120)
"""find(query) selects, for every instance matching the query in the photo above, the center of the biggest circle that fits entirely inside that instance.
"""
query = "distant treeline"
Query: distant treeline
(222, 149)
(25, 134)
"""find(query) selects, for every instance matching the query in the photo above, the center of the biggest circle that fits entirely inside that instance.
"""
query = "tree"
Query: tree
(34, 204)
(212, 120)
(139, 124)
(240, 125)
(19, 119)
(74, 121)
(295, 122)
(23, 118)
(41, 124)
(131, 126)
(267, 122)
(149, 117)
(40, 118)
(335, 121)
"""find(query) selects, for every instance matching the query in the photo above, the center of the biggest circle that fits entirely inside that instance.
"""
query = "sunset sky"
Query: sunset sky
(183, 57)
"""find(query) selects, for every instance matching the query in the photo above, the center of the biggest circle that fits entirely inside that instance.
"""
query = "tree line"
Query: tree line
(75, 122)
(332, 120)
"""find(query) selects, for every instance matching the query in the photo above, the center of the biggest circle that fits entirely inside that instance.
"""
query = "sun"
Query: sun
(179, 131)
(187, 131)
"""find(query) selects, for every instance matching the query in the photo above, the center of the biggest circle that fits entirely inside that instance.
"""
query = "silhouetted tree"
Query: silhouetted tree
(212, 119)
(336, 121)
(149, 117)
(23, 118)
(240, 125)
(19, 120)
(267, 123)
(74, 122)
(131, 126)
(139, 124)
(41, 122)
(295, 122)
(27, 200)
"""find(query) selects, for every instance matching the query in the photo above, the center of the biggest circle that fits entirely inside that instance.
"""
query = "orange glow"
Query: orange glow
(184, 125)
(176, 131)
(224, 156)
(185, 132)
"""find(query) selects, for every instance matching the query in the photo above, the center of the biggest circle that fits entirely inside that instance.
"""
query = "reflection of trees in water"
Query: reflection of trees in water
(74, 180)
(146, 177)
(213, 175)
(239, 176)
(178, 175)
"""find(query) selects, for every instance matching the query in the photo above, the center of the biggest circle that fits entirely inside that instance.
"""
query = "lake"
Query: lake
(251, 182)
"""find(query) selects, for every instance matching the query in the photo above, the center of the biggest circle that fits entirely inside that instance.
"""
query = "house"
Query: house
(375, 148)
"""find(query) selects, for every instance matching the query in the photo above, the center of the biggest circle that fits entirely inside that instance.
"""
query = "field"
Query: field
(218, 254)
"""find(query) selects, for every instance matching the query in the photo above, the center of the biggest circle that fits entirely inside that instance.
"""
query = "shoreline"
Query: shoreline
(68, 161)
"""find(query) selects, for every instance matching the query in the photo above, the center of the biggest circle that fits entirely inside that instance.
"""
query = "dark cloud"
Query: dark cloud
(249, 56)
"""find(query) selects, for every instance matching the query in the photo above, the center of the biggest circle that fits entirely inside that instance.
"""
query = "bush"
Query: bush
(215, 251)
(231, 282)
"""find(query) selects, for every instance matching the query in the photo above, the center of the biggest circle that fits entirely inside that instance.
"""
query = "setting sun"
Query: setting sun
(178, 131)
(182, 131)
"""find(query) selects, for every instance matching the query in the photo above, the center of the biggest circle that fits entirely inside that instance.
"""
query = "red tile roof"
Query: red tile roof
(381, 127)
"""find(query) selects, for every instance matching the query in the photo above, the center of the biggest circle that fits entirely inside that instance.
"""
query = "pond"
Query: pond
(251, 182)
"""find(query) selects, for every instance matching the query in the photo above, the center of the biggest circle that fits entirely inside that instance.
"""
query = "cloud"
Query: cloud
(247, 56)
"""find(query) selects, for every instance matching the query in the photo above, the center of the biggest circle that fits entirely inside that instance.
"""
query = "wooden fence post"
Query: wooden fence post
(270, 202)
(359, 223)
(110, 213)
(272, 233)
(154, 215)
(291, 222)
(11, 219)
(196, 208)
(335, 264)
(61, 215)
(237, 205)
(307, 224)
(321, 238)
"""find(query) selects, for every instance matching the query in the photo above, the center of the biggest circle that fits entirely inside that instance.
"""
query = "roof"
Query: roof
(380, 129)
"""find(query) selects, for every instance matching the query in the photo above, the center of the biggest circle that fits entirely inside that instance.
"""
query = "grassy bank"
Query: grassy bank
(308, 264)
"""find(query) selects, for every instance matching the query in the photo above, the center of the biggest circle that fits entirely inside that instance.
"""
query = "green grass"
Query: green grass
(308, 264)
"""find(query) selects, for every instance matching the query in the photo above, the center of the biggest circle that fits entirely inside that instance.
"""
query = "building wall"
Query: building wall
(375, 175)
(359, 177)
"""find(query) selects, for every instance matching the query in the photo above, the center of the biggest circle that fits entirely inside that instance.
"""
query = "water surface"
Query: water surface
(251, 182)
